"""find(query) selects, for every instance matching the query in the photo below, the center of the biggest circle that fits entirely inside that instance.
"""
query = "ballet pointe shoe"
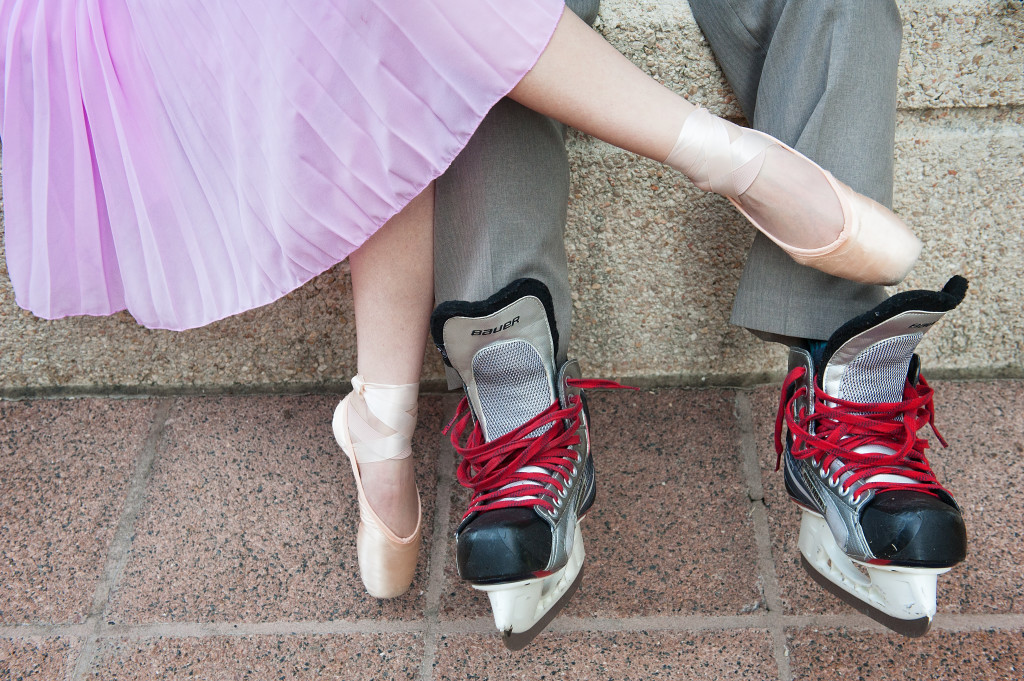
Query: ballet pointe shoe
(387, 562)
(874, 247)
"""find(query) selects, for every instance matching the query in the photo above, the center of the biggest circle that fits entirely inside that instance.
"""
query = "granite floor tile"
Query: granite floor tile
(670, 532)
(64, 472)
(983, 422)
(622, 656)
(799, 594)
(42, 659)
(868, 656)
(252, 516)
(377, 657)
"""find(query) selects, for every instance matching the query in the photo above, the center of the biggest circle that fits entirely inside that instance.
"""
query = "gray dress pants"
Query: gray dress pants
(499, 210)
(819, 75)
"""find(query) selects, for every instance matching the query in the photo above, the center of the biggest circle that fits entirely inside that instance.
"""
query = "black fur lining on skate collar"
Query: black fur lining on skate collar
(951, 295)
(519, 288)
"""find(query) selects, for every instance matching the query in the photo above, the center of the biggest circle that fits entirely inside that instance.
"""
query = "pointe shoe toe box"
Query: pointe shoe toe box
(386, 567)
(875, 247)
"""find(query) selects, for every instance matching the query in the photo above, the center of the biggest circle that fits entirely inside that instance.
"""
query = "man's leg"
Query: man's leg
(501, 207)
(503, 322)
(877, 526)
(820, 76)
(500, 213)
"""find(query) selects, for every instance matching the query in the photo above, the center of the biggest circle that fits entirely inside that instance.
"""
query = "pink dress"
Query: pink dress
(187, 160)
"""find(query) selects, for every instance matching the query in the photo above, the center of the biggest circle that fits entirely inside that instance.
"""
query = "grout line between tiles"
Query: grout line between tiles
(484, 625)
(120, 545)
(762, 534)
(438, 547)
(45, 630)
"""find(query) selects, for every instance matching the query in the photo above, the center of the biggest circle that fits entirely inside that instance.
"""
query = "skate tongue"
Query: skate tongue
(504, 351)
(867, 359)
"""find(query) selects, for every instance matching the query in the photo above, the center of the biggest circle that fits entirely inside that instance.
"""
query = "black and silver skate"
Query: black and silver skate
(523, 436)
(878, 527)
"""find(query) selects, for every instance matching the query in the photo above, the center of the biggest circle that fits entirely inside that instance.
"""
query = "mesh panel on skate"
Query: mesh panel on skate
(512, 384)
(878, 373)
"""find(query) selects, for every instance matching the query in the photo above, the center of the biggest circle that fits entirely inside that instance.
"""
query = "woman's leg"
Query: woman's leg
(785, 195)
(392, 288)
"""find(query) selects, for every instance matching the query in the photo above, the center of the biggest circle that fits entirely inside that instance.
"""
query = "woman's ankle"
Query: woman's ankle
(390, 490)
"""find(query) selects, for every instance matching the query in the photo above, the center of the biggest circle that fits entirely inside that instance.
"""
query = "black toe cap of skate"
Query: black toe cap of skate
(914, 529)
(504, 545)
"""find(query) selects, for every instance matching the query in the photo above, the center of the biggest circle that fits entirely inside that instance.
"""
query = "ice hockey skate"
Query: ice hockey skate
(523, 436)
(877, 527)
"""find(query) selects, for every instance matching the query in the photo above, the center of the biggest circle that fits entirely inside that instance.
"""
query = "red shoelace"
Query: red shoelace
(841, 426)
(493, 470)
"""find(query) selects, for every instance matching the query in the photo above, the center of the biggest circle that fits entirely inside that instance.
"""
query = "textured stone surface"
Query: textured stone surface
(38, 659)
(233, 567)
(64, 470)
(252, 516)
(355, 658)
(654, 263)
(621, 656)
(956, 53)
(857, 656)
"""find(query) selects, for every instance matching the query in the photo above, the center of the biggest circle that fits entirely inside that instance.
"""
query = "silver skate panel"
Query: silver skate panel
(565, 517)
(881, 355)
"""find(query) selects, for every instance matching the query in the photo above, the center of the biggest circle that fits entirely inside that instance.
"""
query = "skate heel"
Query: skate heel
(901, 598)
(522, 609)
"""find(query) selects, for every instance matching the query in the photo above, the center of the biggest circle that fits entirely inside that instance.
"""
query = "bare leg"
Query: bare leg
(613, 100)
(392, 286)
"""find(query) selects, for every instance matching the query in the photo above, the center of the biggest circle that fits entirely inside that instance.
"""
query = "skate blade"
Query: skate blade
(909, 628)
(519, 640)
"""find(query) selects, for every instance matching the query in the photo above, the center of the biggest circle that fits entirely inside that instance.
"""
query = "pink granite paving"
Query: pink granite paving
(623, 656)
(252, 517)
(281, 658)
(64, 471)
(37, 658)
(231, 556)
(941, 656)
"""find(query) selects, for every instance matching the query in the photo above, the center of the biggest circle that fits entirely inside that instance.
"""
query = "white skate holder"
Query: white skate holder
(522, 609)
(901, 598)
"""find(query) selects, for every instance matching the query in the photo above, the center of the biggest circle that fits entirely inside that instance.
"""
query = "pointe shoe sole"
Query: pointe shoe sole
(387, 562)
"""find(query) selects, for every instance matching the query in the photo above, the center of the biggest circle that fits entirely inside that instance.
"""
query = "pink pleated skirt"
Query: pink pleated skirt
(187, 160)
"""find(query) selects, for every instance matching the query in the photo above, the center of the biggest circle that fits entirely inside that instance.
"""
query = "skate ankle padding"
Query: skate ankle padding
(503, 348)
(868, 359)
(484, 308)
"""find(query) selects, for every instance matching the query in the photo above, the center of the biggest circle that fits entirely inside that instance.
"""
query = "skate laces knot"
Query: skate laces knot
(884, 433)
(527, 467)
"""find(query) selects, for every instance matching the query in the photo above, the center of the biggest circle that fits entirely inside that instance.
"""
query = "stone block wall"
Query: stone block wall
(654, 262)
